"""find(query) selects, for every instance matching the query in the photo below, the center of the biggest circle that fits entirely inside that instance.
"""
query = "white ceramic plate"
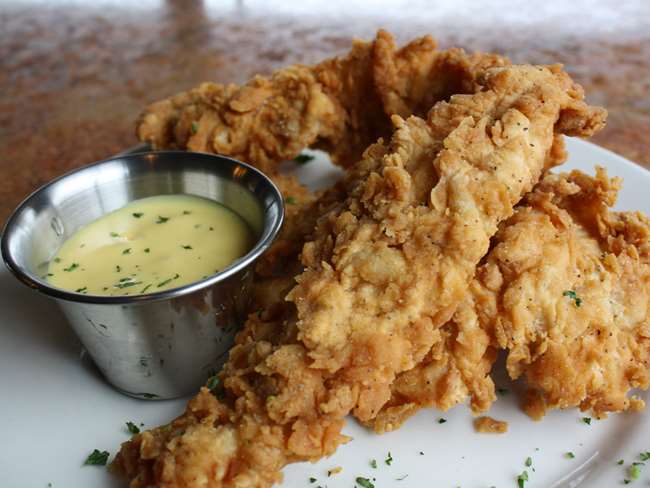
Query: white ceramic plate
(55, 408)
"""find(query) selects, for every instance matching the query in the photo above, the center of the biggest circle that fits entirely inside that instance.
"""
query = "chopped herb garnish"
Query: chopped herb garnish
(187, 247)
(389, 459)
(97, 458)
(162, 220)
(146, 249)
(421, 453)
(114, 234)
(211, 228)
(586, 420)
(186, 212)
(146, 288)
(570, 455)
(195, 127)
(303, 158)
(126, 283)
(312, 480)
(635, 471)
(72, 267)
(402, 478)
(57, 260)
(529, 462)
(290, 200)
(573, 296)
(645, 456)
(81, 290)
(522, 478)
(441, 420)
(373, 463)
(364, 482)
(137, 215)
(132, 428)
(127, 251)
(212, 383)
(149, 395)
(503, 391)
(620, 462)
(50, 274)
(117, 268)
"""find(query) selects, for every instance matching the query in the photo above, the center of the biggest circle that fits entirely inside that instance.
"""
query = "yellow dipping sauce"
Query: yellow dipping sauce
(151, 245)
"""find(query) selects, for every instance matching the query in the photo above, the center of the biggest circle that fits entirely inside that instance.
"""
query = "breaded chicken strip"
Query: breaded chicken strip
(417, 218)
(341, 105)
(566, 290)
(575, 299)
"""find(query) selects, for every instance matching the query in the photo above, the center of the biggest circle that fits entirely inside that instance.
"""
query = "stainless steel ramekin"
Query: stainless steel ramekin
(164, 344)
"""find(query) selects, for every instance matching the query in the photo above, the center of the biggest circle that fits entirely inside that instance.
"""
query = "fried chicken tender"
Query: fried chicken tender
(566, 290)
(386, 267)
(340, 105)
(575, 299)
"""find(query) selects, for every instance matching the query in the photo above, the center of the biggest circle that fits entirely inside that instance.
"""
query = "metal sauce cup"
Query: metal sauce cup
(164, 344)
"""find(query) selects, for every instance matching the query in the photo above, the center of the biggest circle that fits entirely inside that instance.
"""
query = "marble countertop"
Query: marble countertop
(75, 75)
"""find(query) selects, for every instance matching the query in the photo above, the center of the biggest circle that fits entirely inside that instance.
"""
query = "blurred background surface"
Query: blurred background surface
(74, 75)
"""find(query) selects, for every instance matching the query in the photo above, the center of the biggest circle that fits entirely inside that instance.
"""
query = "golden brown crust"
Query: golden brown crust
(340, 105)
(488, 425)
(417, 216)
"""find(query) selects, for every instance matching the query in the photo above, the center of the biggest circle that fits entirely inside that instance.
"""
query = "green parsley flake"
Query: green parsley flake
(373, 463)
(635, 471)
(146, 288)
(57, 260)
(72, 267)
(529, 462)
(570, 455)
(195, 127)
(441, 420)
(167, 281)
(146, 249)
(118, 268)
(364, 482)
(402, 478)
(150, 395)
(620, 462)
(126, 283)
(389, 459)
(114, 234)
(127, 251)
(212, 383)
(586, 420)
(303, 158)
(132, 428)
(186, 212)
(81, 290)
(522, 478)
(188, 248)
(162, 220)
(97, 458)
(312, 480)
(137, 215)
(645, 456)
(573, 296)
(290, 200)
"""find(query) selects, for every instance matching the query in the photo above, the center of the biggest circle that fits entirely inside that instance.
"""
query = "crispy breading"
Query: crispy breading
(575, 305)
(387, 266)
(340, 105)
(566, 290)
